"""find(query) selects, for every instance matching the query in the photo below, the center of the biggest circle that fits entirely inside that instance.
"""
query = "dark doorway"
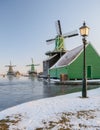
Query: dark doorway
(88, 72)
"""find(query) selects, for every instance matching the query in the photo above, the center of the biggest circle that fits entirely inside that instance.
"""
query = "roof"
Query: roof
(54, 52)
(68, 57)
(50, 57)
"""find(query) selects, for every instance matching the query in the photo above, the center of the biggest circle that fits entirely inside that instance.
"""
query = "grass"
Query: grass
(5, 123)
(64, 121)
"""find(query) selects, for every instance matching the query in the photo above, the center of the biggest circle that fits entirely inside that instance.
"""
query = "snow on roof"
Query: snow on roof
(68, 57)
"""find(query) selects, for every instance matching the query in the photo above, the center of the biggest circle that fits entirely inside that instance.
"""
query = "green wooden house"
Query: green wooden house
(71, 64)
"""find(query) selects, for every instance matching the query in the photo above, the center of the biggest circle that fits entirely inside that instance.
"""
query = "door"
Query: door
(88, 72)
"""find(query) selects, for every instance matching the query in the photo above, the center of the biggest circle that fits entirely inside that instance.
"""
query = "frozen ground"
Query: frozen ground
(67, 112)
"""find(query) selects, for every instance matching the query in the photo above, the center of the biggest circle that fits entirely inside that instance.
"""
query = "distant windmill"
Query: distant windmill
(59, 39)
(10, 70)
(32, 71)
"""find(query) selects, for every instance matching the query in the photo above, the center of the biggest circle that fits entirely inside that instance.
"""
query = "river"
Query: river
(15, 91)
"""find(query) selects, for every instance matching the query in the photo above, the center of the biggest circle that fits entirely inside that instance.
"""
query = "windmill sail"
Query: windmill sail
(58, 28)
(70, 34)
(59, 39)
(10, 70)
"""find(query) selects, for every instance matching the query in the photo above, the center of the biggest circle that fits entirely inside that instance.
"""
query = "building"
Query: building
(59, 50)
(53, 57)
(71, 64)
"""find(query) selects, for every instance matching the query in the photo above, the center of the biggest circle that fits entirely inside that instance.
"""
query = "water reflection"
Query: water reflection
(32, 78)
(14, 91)
(10, 77)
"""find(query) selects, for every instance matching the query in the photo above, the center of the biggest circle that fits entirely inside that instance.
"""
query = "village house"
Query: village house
(70, 64)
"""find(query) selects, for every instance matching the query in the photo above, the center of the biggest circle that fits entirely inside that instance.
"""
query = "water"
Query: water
(14, 91)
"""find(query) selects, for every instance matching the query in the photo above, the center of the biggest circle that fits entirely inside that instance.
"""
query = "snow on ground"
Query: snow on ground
(69, 112)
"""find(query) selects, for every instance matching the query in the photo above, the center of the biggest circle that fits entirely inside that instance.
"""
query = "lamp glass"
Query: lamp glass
(84, 30)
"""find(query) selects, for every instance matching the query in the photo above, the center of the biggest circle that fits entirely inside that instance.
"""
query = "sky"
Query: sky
(25, 25)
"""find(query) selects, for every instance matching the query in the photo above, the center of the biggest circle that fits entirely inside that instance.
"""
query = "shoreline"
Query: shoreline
(72, 82)
(31, 115)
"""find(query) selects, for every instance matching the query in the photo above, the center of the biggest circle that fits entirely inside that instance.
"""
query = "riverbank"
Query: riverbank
(68, 112)
(72, 82)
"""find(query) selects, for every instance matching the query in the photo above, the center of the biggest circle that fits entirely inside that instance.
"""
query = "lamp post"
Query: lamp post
(84, 31)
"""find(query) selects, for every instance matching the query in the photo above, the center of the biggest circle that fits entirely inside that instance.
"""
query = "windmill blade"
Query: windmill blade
(32, 60)
(6, 65)
(50, 40)
(13, 65)
(33, 64)
(71, 34)
(10, 65)
(28, 65)
(36, 64)
(58, 28)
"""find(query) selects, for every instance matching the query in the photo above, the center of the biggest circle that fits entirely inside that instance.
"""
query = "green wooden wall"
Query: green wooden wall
(75, 69)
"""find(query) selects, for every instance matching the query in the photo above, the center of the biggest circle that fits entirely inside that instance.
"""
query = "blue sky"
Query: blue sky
(25, 25)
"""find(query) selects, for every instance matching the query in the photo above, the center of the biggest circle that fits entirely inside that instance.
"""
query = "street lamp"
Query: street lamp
(84, 31)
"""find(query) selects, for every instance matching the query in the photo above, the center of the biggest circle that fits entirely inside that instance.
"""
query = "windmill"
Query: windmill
(59, 50)
(32, 71)
(59, 39)
(10, 70)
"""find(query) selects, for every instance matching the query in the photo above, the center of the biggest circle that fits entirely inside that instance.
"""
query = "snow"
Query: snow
(68, 57)
(80, 112)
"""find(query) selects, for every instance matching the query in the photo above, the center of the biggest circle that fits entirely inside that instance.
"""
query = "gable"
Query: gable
(71, 63)
(91, 53)
(68, 57)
